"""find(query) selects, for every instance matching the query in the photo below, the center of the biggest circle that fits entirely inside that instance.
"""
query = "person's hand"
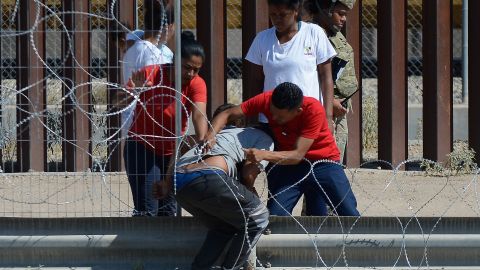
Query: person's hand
(138, 79)
(162, 189)
(208, 142)
(338, 109)
(253, 155)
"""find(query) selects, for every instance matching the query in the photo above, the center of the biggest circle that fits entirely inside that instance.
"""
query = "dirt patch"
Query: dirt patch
(378, 192)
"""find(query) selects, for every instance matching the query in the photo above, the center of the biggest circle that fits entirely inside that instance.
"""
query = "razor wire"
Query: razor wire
(101, 193)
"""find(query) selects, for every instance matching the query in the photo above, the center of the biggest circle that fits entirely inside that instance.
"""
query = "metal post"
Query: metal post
(392, 81)
(76, 125)
(254, 19)
(465, 50)
(178, 85)
(437, 79)
(211, 29)
(354, 37)
(31, 133)
(474, 84)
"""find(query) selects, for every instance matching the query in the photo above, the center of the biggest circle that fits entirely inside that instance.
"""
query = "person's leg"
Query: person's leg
(341, 135)
(337, 191)
(231, 202)
(218, 236)
(167, 206)
(139, 161)
(285, 191)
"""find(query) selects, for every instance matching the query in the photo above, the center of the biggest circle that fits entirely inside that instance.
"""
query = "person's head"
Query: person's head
(153, 18)
(287, 100)
(193, 57)
(237, 123)
(330, 14)
(284, 14)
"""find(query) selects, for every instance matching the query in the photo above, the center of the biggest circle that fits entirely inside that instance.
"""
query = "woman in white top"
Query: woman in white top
(293, 51)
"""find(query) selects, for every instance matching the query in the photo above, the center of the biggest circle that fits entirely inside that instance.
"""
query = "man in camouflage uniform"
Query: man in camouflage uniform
(331, 15)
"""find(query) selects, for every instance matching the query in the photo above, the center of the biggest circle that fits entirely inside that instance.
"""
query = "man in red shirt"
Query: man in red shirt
(307, 158)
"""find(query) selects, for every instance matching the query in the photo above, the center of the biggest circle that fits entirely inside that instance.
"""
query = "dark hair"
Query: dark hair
(287, 96)
(191, 47)
(153, 14)
(290, 4)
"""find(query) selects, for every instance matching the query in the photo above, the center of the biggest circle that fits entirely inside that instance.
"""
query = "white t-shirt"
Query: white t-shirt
(166, 53)
(142, 53)
(294, 61)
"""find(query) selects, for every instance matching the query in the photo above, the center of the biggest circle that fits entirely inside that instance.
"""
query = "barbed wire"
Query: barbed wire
(24, 189)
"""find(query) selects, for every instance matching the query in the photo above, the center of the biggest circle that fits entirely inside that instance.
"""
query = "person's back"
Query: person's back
(231, 143)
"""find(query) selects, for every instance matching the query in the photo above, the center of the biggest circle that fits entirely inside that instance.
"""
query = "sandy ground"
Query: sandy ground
(379, 193)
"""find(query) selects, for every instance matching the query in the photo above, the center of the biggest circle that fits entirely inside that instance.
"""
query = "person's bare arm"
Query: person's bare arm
(250, 172)
(199, 119)
(281, 157)
(326, 84)
(219, 122)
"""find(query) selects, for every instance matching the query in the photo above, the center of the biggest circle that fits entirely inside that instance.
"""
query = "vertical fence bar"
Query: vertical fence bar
(354, 37)
(254, 19)
(437, 79)
(212, 34)
(392, 78)
(31, 134)
(1, 78)
(76, 124)
(474, 79)
(124, 11)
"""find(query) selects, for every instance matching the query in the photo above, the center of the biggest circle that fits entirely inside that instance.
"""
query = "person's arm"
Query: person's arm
(281, 157)
(199, 119)
(326, 84)
(219, 122)
(249, 174)
(338, 109)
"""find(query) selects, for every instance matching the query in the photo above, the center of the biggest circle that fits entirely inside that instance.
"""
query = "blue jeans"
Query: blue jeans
(326, 184)
(144, 168)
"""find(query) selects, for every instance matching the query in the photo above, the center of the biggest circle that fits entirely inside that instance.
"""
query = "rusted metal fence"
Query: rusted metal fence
(81, 68)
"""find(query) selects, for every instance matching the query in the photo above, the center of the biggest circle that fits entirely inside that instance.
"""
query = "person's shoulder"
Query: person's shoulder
(314, 29)
(267, 31)
(198, 81)
(197, 86)
(311, 103)
(311, 26)
(266, 34)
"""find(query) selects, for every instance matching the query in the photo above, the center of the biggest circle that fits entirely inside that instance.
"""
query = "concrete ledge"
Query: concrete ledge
(168, 243)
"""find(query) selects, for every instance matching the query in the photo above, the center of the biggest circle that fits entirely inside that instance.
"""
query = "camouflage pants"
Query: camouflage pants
(341, 134)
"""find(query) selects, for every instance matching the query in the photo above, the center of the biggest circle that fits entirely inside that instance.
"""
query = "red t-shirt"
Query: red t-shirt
(154, 118)
(310, 124)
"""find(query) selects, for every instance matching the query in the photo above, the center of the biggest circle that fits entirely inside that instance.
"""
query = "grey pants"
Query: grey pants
(232, 215)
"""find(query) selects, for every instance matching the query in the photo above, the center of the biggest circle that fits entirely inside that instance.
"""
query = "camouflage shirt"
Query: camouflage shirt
(347, 83)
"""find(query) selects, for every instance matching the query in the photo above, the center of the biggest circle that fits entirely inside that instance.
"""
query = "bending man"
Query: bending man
(207, 187)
